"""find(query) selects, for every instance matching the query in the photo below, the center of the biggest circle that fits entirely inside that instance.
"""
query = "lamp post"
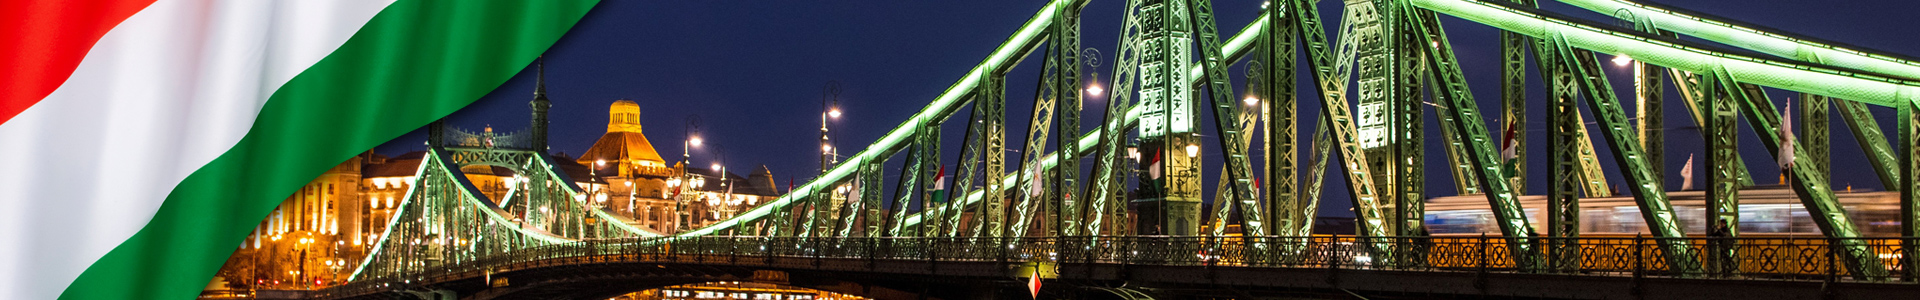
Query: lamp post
(827, 153)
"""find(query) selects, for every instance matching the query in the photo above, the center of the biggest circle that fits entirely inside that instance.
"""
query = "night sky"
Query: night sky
(753, 73)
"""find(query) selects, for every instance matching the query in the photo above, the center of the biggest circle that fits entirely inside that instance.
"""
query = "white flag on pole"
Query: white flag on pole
(1786, 136)
(1686, 174)
(1034, 187)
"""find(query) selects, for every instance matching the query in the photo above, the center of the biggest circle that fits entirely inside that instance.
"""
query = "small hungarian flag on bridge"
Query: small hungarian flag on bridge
(940, 185)
(1154, 168)
(145, 138)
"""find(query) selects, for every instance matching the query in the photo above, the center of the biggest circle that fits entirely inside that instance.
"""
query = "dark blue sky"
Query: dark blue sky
(753, 72)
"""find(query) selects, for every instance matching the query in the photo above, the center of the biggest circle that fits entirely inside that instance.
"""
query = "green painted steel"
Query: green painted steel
(1651, 193)
(1724, 166)
(1694, 88)
(896, 207)
(1513, 100)
(1309, 208)
(1812, 186)
(1409, 122)
(1106, 189)
(1452, 85)
(1799, 77)
(1866, 132)
(1813, 131)
(1563, 135)
(1064, 211)
(1279, 107)
(1780, 44)
(1234, 138)
(1909, 130)
(1031, 191)
(1457, 163)
(993, 210)
(1340, 123)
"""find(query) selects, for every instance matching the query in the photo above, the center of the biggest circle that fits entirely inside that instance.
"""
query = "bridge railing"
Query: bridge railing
(1731, 258)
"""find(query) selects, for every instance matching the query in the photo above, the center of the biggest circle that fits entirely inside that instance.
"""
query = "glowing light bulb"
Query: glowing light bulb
(1193, 150)
(1251, 101)
(1095, 89)
(1622, 60)
(835, 113)
(695, 141)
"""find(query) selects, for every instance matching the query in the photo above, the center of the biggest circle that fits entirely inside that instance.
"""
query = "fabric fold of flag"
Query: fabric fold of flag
(192, 119)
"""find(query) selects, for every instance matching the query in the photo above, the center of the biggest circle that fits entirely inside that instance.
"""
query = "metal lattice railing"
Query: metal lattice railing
(1798, 259)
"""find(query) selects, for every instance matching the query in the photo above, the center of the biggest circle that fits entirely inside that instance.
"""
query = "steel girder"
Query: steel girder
(1513, 102)
(1309, 204)
(1779, 44)
(1108, 178)
(1452, 85)
(443, 220)
(1694, 89)
(1866, 131)
(1340, 123)
(1815, 191)
(1457, 162)
(1409, 120)
(992, 212)
(929, 162)
(1280, 110)
(1064, 212)
(1909, 132)
(969, 168)
(1233, 141)
(1666, 52)
(1044, 104)
(1650, 194)
(1563, 135)
(1246, 119)
(903, 191)
(1724, 166)
(1813, 131)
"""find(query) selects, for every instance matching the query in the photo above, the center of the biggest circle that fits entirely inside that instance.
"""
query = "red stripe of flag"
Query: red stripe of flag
(45, 41)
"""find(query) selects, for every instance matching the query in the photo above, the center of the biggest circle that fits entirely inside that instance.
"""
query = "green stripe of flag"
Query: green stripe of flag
(414, 62)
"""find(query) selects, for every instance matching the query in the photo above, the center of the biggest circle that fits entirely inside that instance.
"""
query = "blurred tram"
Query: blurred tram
(1765, 211)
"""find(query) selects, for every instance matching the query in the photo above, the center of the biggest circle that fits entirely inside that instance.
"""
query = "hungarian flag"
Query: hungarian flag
(1686, 174)
(146, 138)
(1786, 136)
(1153, 169)
(940, 185)
(1510, 151)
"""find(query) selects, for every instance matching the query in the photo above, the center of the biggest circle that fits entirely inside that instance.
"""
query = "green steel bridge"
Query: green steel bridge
(1134, 215)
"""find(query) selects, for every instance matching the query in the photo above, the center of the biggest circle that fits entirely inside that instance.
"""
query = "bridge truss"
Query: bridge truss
(1395, 60)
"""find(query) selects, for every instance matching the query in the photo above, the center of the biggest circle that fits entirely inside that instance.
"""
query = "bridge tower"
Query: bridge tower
(1169, 201)
(540, 106)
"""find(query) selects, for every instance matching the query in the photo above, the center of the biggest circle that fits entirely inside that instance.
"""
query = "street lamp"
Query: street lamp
(831, 91)
(1193, 150)
(1622, 60)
